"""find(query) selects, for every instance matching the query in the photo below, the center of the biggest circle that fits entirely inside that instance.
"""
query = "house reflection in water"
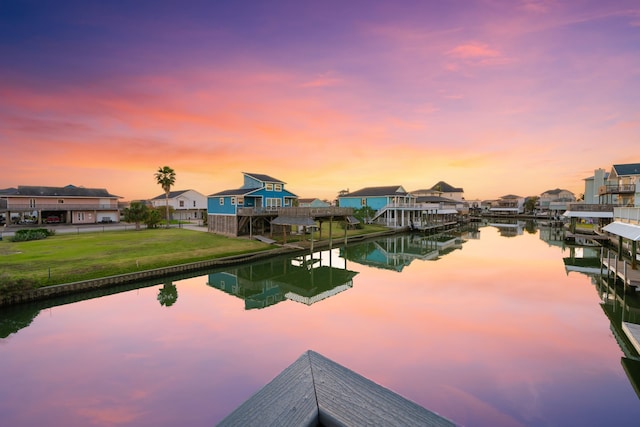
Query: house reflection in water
(398, 251)
(618, 305)
(306, 278)
(509, 227)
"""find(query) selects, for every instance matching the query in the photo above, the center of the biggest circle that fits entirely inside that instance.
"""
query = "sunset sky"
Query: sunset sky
(496, 97)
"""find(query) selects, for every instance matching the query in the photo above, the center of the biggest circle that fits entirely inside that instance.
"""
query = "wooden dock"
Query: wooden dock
(623, 270)
(632, 331)
(317, 391)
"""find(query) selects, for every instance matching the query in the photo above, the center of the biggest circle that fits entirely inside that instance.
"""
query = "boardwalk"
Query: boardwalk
(623, 270)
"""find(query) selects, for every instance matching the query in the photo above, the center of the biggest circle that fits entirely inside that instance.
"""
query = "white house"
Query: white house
(186, 204)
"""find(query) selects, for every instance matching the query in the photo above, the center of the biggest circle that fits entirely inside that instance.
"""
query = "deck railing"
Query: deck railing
(627, 214)
(63, 207)
(590, 207)
(296, 211)
(616, 189)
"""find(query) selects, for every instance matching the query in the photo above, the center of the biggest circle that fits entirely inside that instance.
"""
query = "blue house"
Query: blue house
(232, 212)
(375, 197)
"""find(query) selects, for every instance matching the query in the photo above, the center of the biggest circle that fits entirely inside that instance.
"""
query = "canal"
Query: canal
(503, 325)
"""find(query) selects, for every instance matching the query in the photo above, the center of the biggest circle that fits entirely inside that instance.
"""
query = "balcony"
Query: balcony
(616, 189)
(627, 214)
(296, 211)
(62, 207)
(585, 207)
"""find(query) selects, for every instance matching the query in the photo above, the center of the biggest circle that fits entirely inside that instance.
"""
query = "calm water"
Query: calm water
(494, 329)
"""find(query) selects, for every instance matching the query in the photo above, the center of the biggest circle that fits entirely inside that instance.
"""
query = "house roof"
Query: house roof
(446, 188)
(556, 191)
(510, 196)
(392, 190)
(67, 191)
(628, 169)
(263, 178)
(434, 199)
(172, 194)
(234, 192)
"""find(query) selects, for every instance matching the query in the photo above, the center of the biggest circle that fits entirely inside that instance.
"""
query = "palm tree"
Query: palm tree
(166, 177)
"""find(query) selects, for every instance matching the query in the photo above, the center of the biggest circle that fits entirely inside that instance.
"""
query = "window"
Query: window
(233, 200)
(222, 200)
(278, 187)
(60, 201)
(80, 216)
(241, 200)
(268, 187)
(364, 201)
(194, 203)
(32, 203)
(273, 203)
(182, 203)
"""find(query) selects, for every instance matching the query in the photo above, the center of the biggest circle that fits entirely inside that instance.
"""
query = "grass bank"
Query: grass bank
(66, 258)
(74, 257)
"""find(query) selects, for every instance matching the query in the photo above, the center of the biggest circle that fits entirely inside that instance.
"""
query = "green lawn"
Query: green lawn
(71, 257)
(66, 258)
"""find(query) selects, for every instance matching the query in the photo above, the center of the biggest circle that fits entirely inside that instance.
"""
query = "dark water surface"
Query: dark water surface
(491, 329)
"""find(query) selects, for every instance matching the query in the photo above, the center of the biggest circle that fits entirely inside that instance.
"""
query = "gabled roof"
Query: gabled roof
(235, 192)
(628, 169)
(446, 188)
(392, 190)
(172, 194)
(264, 178)
(8, 191)
(510, 196)
(556, 191)
(68, 191)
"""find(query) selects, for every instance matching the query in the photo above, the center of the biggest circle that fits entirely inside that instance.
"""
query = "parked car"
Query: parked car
(52, 220)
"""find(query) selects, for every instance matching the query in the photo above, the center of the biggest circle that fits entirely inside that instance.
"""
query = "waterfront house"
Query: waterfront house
(58, 205)
(622, 189)
(609, 196)
(508, 205)
(186, 204)
(442, 189)
(393, 205)
(556, 201)
(236, 211)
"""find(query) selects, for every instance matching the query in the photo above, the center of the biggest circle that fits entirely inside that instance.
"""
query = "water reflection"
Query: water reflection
(619, 303)
(302, 278)
(398, 251)
(499, 332)
(168, 294)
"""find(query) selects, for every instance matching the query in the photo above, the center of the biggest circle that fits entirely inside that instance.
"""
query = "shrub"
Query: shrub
(12, 287)
(35, 234)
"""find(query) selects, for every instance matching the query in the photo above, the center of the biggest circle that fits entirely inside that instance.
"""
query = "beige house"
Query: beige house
(58, 205)
(556, 200)
(442, 189)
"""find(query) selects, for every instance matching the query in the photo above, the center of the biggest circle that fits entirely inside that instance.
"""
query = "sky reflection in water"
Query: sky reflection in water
(494, 333)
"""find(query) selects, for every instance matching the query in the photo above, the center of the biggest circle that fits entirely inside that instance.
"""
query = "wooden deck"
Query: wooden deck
(632, 331)
(317, 391)
(623, 270)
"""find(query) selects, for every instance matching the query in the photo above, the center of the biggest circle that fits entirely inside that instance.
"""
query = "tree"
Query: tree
(530, 204)
(364, 214)
(166, 177)
(154, 217)
(168, 295)
(137, 212)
